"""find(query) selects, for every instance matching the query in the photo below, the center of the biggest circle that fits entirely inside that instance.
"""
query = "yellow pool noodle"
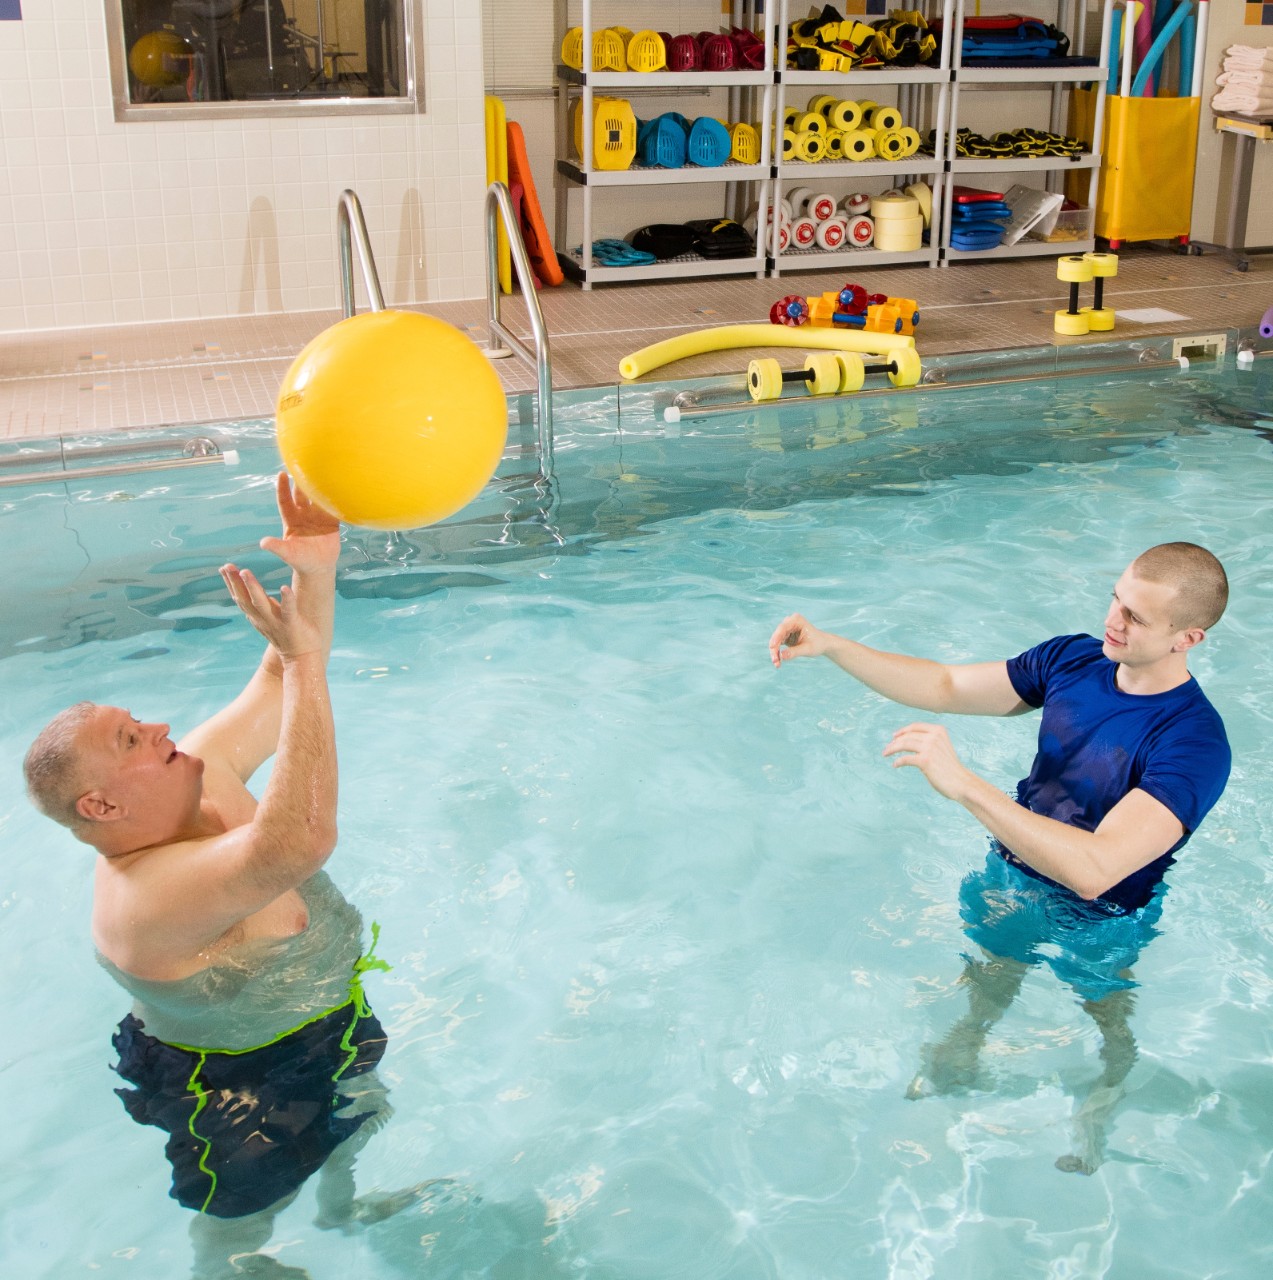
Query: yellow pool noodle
(729, 336)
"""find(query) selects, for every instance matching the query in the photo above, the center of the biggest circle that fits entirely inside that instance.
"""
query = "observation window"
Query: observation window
(177, 58)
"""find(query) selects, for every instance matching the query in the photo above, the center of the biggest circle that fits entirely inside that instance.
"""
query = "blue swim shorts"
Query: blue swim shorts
(247, 1128)
(1088, 945)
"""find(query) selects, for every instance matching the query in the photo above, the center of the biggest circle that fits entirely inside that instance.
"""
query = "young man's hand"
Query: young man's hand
(928, 748)
(796, 637)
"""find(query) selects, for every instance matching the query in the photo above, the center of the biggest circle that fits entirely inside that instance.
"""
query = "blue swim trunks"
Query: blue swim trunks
(1089, 945)
(248, 1128)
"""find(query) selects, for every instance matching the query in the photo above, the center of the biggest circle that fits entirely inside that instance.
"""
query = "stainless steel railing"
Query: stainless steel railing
(499, 207)
(57, 463)
(351, 231)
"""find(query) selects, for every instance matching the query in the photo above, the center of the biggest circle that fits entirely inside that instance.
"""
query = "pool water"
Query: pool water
(668, 934)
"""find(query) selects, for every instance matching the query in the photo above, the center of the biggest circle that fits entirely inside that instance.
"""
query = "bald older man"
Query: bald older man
(250, 1042)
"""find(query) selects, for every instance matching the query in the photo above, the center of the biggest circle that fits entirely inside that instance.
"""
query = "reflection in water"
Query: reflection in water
(261, 1070)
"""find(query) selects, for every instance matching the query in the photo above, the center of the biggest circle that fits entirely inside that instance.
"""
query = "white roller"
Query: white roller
(858, 202)
(820, 207)
(804, 233)
(794, 201)
(861, 231)
(832, 233)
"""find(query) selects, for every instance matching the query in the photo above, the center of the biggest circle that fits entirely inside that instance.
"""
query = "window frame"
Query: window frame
(410, 103)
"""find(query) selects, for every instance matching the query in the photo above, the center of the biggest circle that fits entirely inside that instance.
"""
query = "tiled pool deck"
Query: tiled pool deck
(69, 382)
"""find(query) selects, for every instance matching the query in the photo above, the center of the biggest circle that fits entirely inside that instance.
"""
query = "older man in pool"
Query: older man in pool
(1131, 757)
(250, 1042)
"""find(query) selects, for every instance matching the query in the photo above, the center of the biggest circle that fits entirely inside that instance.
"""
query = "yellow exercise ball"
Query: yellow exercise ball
(153, 59)
(391, 420)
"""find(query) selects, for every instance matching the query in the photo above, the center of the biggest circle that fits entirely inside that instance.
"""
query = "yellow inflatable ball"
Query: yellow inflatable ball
(391, 420)
(159, 59)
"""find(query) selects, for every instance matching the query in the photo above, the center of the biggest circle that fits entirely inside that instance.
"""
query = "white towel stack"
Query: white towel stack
(1246, 83)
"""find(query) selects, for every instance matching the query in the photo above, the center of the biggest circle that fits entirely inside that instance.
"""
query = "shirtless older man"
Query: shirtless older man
(250, 1041)
(1131, 758)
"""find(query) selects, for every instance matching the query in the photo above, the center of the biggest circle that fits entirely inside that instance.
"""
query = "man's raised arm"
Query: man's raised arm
(246, 732)
(973, 689)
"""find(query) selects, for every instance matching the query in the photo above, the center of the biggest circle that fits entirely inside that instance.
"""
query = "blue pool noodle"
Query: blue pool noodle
(1162, 11)
(1159, 46)
(1266, 325)
(1115, 47)
(1188, 36)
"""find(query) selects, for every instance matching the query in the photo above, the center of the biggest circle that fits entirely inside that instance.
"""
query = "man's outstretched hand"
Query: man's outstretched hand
(311, 536)
(796, 637)
(927, 747)
(279, 620)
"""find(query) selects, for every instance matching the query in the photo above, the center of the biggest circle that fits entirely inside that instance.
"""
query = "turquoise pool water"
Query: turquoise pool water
(667, 932)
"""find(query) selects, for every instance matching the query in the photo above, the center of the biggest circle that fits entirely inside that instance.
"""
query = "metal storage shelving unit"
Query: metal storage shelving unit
(751, 98)
(1071, 17)
(922, 92)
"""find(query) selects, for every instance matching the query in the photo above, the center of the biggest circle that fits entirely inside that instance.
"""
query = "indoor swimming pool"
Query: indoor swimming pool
(668, 935)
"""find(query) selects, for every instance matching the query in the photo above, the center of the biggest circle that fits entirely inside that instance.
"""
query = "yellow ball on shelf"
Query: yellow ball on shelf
(392, 420)
(160, 58)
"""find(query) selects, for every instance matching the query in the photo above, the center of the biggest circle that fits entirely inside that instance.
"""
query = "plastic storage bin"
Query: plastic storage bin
(1071, 224)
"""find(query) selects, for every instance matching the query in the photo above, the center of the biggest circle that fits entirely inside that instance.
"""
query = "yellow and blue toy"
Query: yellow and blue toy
(391, 420)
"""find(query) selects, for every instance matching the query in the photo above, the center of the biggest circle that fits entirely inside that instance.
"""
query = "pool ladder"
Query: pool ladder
(351, 235)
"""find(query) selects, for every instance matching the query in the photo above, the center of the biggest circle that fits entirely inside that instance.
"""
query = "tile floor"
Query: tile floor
(73, 382)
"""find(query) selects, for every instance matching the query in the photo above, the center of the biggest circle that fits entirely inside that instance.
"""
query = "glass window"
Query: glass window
(324, 53)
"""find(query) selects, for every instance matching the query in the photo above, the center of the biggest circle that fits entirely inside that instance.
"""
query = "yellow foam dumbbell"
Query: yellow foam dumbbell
(1074, 270)
(1100, 318)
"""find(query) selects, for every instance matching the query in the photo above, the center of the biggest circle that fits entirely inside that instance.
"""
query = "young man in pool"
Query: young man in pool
(209, 908)
(1131, 757)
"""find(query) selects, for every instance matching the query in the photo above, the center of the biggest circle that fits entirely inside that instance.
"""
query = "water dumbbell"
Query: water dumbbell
(832, 373)
(903, 367)
(844, 115)
(821, 376)
(885, 119)
(1104, 265)
(1075, 270)
(809, 146)
(858, 144)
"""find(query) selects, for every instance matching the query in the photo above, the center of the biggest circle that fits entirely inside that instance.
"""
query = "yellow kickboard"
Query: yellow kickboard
(497, 171)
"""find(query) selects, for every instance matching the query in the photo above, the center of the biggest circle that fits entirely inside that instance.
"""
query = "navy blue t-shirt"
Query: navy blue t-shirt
(1097, 743)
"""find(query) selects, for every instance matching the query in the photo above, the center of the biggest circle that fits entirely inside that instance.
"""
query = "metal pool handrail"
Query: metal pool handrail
(689, 404)
(351, 230)
(499, 205)
(196, 452)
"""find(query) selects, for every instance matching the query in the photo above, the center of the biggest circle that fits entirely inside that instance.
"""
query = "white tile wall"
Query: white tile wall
(111, 222)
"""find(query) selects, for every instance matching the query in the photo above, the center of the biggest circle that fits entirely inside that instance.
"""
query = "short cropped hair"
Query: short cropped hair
(1202, 589)
(52, 767)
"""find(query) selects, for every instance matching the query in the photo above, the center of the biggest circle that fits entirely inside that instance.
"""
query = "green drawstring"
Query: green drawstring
(358, 998)
(196, 1087)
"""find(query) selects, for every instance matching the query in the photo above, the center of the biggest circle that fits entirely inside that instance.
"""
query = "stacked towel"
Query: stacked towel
(1246, 83)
